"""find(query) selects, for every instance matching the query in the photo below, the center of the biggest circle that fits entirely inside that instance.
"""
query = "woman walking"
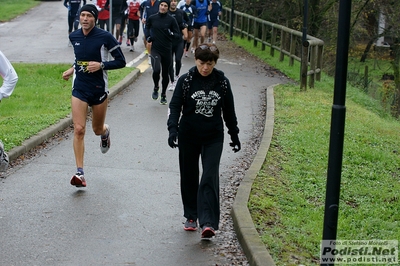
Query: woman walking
(201, 103)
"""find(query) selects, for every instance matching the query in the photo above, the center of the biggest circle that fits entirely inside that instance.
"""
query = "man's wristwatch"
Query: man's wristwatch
(102, 65)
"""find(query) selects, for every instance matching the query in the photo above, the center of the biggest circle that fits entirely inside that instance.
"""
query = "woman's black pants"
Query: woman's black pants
(200, 199)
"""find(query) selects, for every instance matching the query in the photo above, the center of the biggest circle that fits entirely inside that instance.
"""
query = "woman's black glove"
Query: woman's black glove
(172, 139)
(235, 143)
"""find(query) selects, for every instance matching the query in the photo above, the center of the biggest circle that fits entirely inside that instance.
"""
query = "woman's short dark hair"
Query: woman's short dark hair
(207, 52)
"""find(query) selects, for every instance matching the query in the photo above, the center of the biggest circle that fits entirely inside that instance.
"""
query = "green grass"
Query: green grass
(13, 8)
(376, 68)
(40, 99)
(287, 198)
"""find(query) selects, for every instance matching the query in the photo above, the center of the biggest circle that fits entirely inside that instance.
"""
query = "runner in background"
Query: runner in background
(213, 20)
(73, 7)
(200, 21)
(124, 24)
(148, 8)
(133, 22)
(117, 9)
(104, 15)
(190, 12)
(177, 43)
(161, 30)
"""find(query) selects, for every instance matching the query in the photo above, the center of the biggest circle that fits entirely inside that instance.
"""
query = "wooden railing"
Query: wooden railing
(286, 41)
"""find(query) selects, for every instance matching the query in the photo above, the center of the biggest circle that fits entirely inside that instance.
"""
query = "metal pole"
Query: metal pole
(231, 22)
(337, 125)
(110, 22)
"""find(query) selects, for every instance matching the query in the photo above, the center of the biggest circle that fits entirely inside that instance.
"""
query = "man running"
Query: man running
(90, 83)
(200, 21)
(104, 15)
(133, 22)
(190, 11)
(161, 29)
(213, 20)
(117, 10)
(73, 13)
(177, 43)
(148, 8)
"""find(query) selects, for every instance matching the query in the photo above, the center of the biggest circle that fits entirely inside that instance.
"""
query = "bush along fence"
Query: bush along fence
(282, 39)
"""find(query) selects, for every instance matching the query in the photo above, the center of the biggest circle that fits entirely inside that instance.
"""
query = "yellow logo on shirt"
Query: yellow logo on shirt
(83, 66)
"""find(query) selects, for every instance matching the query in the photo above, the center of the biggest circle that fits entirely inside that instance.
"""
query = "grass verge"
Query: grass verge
(13, 8)
(288, 195)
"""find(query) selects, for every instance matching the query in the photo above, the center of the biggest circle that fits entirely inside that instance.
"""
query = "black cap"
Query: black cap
(91, 9)
(165, 1)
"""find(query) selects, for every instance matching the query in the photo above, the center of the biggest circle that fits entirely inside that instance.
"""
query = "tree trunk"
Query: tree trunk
(366, 51)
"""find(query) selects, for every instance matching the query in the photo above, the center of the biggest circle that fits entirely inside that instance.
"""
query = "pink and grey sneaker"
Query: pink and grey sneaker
(208, 232)
(78, 180)
(190, 225)
(105, 142)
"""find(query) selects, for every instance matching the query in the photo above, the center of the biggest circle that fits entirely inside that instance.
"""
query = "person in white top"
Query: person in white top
(180, 4)
(10, 77)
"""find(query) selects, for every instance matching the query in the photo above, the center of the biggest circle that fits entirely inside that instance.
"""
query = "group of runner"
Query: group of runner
(191, 20)
(200, 16)
(192, 17)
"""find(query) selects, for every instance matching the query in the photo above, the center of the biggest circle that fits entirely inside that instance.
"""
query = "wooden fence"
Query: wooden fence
(286, 41)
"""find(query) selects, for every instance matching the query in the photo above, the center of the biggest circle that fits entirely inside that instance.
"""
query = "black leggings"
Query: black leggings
(123, 23)
(73, 21)
(161, 63)
(103, 23)
(133, 30)
(177, 50)
(200, 200)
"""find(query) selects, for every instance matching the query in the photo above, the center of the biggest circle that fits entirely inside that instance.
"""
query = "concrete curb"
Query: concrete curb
(248, 236)
(49, 132)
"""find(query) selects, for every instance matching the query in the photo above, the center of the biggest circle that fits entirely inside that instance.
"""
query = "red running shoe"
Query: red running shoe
(78, 180)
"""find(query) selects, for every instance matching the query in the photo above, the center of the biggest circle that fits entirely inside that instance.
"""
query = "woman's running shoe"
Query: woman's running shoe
(190, 225)
(207, 232)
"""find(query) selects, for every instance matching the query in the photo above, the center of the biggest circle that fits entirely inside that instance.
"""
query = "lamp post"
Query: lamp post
(110, 24)
(337, 125)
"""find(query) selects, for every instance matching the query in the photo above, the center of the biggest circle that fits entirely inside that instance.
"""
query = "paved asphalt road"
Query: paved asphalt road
(131, 211)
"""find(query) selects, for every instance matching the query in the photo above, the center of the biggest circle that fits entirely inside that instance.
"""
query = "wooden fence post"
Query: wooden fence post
(263, 36)
(304, 67)
(319, 61)
(273, 41)
(292, 49)
(283, 38)
(241, 27)
(313, 63)
(256, 25)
